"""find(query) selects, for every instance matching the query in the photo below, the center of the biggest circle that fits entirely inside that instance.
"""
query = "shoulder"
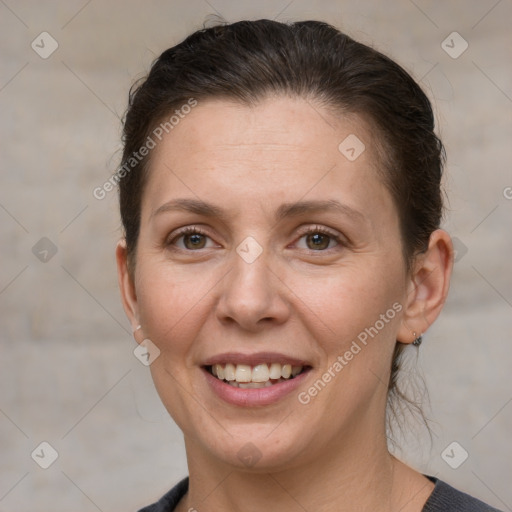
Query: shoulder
(169, 501)
(445, 498)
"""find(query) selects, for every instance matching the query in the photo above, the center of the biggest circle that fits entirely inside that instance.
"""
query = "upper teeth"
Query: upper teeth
(259, 373)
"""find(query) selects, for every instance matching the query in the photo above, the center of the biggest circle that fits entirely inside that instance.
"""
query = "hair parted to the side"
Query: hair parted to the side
(247, 61)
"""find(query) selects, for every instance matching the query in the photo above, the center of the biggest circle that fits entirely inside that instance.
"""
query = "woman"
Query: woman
(281, 202)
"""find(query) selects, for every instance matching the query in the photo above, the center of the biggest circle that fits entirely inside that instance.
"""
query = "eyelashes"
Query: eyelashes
(197, 238)
(189, 231)
(323, 232)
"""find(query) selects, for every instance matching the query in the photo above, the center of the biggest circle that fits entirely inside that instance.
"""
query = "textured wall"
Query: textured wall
(67, 372)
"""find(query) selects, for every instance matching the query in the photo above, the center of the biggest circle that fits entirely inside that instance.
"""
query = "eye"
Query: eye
(193, 238)
(319, 239)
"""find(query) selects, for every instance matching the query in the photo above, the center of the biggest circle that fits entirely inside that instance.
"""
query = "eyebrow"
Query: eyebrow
(286, 210)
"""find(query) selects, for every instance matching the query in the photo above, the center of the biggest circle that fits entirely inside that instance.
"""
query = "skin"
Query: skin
(295, 298)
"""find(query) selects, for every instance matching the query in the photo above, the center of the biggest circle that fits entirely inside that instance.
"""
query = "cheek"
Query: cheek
(352, 299)
(169, 305)
(357, 320)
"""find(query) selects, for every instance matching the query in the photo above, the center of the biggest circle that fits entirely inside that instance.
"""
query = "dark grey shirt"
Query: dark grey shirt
(444, 498)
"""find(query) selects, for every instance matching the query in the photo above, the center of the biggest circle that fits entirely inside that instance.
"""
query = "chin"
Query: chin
(257, 447)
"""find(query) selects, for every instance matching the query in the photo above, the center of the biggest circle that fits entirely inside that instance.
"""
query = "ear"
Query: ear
(126, 285)
(428, 287)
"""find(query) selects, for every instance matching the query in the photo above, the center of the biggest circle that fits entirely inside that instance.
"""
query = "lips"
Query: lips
(258, 376)
(256, 379)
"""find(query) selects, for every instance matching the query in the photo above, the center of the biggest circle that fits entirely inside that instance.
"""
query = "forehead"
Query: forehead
(278, 150)
(276, 122)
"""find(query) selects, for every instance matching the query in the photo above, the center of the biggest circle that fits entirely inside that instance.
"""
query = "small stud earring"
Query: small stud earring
(417, 339)
(137, 328)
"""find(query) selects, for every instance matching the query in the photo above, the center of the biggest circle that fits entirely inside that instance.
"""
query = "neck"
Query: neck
(354, 473)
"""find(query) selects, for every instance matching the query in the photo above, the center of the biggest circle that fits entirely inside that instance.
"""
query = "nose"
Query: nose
(253, 296)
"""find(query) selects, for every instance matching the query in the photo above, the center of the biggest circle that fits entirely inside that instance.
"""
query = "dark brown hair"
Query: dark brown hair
(250, 60)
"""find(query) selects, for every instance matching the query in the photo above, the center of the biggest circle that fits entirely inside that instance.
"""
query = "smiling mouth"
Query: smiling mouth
(254, 377)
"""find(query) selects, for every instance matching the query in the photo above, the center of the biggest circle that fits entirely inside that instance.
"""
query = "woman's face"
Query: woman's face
(291, 260)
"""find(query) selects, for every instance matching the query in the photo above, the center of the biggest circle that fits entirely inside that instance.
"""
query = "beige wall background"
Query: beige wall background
(68, 375)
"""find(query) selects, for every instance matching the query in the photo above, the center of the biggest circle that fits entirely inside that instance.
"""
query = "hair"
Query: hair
(249, 61)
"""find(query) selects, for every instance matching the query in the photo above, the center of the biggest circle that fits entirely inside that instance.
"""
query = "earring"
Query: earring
(417, 339)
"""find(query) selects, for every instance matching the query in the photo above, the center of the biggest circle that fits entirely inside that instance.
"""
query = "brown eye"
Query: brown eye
(189, 239)
(194, 241)
(317, 241)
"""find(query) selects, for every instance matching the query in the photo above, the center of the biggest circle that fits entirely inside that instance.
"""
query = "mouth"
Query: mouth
(254, 380)
(263, 375)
